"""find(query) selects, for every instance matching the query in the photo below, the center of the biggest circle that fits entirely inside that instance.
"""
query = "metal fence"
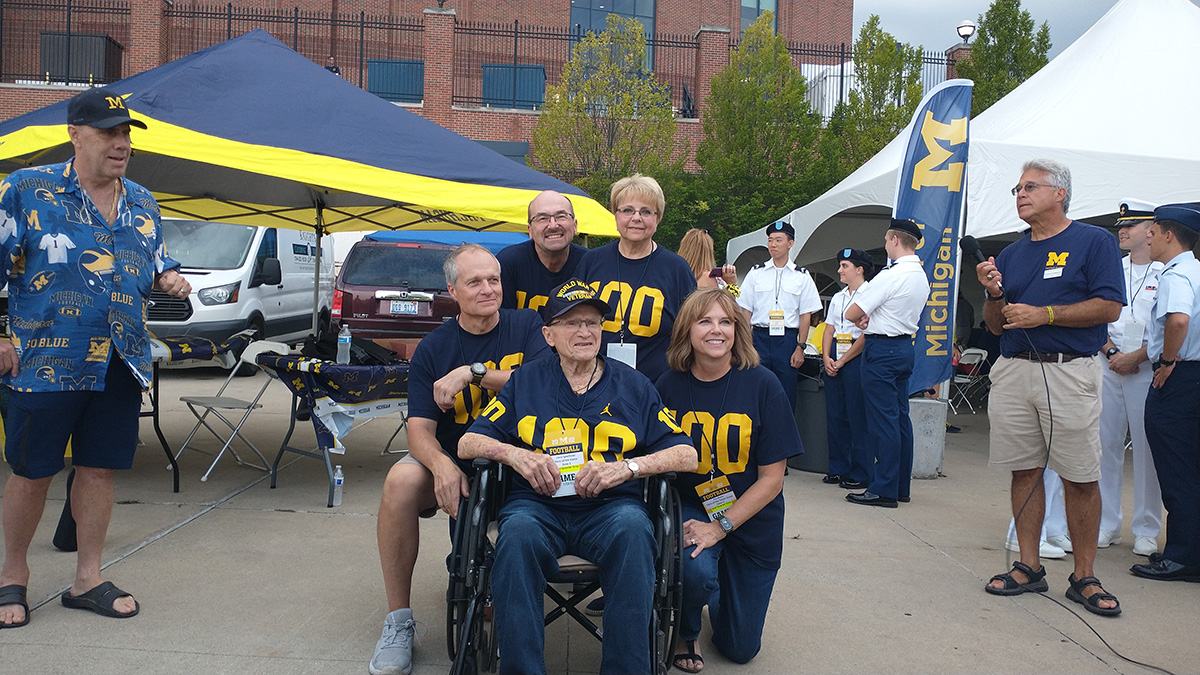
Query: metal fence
(63, 41)
(353, 41)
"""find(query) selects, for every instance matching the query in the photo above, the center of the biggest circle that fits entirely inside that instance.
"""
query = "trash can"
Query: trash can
(810, 419)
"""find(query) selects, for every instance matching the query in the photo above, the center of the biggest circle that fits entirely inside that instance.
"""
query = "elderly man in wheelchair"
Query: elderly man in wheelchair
(576, 432)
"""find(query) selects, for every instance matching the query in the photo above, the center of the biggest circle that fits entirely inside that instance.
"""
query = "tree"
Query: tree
(759, 133)
(1005, 54)
(887, 90)
(608, 116)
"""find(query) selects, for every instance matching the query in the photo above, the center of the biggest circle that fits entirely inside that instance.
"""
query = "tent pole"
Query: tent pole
(316, 313)
(962, 232)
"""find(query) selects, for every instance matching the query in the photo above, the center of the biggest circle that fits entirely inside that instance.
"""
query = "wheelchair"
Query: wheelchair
(470, 631)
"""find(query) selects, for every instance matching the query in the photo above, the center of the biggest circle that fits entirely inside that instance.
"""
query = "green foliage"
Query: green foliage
(1006, 52)
(608, 116)
(888, 90)
(759, 135)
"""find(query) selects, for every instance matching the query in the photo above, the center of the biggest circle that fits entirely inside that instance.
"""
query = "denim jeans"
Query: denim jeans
(736, 590)
(615, 535)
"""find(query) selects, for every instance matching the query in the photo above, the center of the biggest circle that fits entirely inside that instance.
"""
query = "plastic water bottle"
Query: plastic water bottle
(343, 353)
(338, 479)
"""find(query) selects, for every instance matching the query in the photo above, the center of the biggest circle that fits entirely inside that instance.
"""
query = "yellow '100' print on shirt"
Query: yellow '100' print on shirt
(479, 396)
(729, 459)
(632, 306)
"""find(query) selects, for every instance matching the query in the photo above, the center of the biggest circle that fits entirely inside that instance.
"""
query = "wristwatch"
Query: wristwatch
(633, 468)
(1109, 354)
(478, 370)
(988, 296)
(725, 523)
(1166, 363)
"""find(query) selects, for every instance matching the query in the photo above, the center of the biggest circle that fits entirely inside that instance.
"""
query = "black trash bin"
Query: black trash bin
(810, 418)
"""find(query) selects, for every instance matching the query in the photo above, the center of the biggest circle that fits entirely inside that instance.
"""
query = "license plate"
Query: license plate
(403, 307)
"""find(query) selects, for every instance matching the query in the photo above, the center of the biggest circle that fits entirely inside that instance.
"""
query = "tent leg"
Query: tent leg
(316, 312)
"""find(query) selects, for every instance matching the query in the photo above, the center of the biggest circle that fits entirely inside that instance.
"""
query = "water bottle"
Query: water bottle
(338, 479)
(343, 353)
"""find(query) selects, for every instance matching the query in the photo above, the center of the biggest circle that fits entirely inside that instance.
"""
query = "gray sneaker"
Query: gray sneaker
(393, 652)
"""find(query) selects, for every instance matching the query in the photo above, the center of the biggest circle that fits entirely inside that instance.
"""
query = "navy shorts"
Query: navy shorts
(102, 426)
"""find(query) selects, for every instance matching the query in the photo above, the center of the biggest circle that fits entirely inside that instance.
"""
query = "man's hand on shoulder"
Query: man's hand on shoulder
(172, 283)
(9, 363)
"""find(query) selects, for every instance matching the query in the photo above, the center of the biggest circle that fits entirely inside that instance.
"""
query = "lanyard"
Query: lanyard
(1141, 285)
(587, 391)
(712, 446)
(849, 301)
(624, 304)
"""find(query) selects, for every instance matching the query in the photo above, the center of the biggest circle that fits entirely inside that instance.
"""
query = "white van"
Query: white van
(243, 277)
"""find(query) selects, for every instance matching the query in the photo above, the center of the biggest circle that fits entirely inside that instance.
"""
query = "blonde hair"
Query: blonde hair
(681, 355)
(696, 248)
(637, 185)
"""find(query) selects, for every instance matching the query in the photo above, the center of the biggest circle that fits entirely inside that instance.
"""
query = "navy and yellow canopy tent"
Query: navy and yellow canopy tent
(249, 131)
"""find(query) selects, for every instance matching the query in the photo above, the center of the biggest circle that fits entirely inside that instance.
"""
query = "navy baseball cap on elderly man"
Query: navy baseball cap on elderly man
(570, 295)
(101, 108)
(1185, 214)
(780, 226)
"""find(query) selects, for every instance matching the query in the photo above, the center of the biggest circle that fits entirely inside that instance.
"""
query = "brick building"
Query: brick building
(478, 67)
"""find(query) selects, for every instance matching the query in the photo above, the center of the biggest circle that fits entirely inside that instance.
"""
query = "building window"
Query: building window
(592, 15)
(506, 86)
(752, 9)
(396, 80)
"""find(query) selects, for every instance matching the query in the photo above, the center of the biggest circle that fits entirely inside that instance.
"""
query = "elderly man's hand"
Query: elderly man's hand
(448, 386)
(539, 469)
(172, 283)
(989, 277)
(596, 477)
(9, 362)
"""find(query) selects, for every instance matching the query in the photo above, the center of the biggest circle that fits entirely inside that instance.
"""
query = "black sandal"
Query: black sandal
(1092, 602)
(690, 655)
(1036, 584)
(15, 594)
(100, 600)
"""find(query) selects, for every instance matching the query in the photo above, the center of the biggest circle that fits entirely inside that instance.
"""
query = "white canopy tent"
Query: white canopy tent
(1120, 107)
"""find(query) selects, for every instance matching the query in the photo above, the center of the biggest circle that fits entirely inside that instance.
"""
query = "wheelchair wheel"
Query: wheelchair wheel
(668, 585)
(470, 635)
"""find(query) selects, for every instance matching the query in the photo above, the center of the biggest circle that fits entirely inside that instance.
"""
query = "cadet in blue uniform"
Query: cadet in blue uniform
(780, 297)
(1173, 404)
(81, 249)
(578, 430)
(733, 503)
(529, 271)
(888, 312)
(644, 283)
(453, 375)
(851, 457)
(1050, 297)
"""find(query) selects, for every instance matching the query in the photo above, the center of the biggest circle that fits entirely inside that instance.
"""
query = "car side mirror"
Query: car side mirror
(269, 273)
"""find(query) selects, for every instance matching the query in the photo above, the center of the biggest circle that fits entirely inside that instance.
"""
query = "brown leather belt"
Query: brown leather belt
(1049, 357)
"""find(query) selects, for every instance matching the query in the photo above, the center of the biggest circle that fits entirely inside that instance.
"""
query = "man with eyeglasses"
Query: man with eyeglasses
(455, 373)
(1050, 298)
(529, 271)
(779, 298)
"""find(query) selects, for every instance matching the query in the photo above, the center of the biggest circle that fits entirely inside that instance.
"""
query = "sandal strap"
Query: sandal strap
(1080, 584)
(1033, 575)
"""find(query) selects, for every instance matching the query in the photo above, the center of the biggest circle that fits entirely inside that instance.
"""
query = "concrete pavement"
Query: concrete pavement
(234, 577)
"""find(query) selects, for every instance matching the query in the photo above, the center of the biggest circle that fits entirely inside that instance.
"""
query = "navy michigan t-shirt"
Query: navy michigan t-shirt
(526, 281)
(621, 416)
(648, 292)
(743, 421)
(515, 340)
(1081, 262)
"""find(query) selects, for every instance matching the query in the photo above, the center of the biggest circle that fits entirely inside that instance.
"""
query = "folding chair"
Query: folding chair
(964, 383)
(214, 405)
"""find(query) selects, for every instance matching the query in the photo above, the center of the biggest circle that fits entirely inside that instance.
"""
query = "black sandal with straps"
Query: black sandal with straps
(1036, 584)
(1092, 602)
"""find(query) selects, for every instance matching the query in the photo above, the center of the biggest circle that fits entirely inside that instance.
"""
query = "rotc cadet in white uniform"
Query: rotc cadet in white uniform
(780, 297)
(1123, 396)
(888, 312)
(1172, 406)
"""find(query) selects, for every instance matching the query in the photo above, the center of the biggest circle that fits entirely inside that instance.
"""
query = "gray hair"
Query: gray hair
(1060, 176)
(450, 267)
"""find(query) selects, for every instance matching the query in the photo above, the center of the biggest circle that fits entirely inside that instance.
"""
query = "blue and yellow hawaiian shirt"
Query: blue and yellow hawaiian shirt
(78, 287)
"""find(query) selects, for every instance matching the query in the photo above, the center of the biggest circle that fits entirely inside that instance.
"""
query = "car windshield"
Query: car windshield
(204, 245)
(396, 266)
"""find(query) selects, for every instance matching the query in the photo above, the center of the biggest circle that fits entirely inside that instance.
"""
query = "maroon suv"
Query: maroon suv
(393, 292)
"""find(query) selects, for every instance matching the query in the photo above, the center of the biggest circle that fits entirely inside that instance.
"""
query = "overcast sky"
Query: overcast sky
(933, 23)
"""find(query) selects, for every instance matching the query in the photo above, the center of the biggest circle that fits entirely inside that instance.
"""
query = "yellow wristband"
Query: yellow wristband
(734, 290)
(1050, 311)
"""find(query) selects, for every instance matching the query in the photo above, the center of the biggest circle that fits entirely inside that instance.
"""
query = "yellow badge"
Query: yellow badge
(716, 495)
(775, 322)
(566, 449)
(843, 344)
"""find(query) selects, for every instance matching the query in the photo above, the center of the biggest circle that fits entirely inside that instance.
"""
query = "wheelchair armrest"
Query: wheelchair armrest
(482, 463)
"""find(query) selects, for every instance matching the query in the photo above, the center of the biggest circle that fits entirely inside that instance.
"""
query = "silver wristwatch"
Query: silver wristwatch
(725, 523)
(633, 467)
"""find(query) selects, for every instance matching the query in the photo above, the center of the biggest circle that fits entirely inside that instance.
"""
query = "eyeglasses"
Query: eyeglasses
(1030, 187)
(629, 211)
(543, 218)
(575, 324)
